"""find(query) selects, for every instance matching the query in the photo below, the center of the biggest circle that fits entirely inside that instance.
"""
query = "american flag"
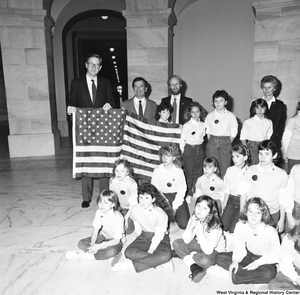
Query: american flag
(142, 141)
(97, 141)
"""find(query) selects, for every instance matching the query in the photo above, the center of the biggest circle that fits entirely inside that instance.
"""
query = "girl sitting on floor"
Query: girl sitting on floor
(105, 242)
(256, 246)
(152, 247)
(202, 239)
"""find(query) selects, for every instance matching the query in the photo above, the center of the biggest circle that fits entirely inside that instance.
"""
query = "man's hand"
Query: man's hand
(106, 107)
(71, 110)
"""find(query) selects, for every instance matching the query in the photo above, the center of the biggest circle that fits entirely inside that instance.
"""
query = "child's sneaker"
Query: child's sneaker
(116, 259)
(124, 265)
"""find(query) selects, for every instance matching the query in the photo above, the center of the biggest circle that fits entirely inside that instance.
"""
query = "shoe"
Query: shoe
(124, 265)
(197, 274)
(85, 204)
(74, 254)
(116, 259)
(174, 254)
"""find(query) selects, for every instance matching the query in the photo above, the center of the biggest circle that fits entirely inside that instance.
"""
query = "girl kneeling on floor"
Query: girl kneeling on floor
(256, 246)
(152, 247)
(105, 242)
(202, 239)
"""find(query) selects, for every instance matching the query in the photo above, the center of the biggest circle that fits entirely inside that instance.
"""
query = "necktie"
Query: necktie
(94, 90)
(140, 108)
(174, 109)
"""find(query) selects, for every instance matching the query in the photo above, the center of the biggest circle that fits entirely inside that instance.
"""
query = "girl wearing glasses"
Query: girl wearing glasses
(256, 246)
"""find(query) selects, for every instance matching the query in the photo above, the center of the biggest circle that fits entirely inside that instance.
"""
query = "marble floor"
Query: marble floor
(41, 219)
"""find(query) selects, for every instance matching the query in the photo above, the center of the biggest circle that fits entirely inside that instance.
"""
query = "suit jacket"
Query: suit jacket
(80, 95)
(184, 103)
(150, 110)
(277, 114)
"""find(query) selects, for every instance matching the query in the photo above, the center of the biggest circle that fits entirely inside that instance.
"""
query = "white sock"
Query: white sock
(188, 260)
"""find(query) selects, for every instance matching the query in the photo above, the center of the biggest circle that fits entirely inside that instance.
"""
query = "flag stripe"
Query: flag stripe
(142, 141)
(156, 131)
(141, 156)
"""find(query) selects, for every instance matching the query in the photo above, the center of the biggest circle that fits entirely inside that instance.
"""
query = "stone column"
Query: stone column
(29, 81)
(150, 43)
(276, 50)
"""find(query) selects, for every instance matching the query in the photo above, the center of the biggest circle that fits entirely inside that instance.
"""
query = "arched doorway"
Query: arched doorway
(97, 31)
(80, 30)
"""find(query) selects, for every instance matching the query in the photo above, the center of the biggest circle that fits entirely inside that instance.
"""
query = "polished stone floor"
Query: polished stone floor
(41, 218)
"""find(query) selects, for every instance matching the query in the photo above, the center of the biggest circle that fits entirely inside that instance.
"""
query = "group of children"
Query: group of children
(249, 200)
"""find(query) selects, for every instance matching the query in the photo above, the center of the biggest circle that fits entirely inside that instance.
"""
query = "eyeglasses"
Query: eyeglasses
(91, 65)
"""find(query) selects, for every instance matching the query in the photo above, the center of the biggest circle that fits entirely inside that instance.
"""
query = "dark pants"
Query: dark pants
(87, 185)
(101, 254)
(202, 259)
(182, 213)
(282, 282)
(296, 211)
(262, 275)
(275, 217)
(193, 165)
(253, 148)
(141, 259)
(130, 228)
(231, 213)
(219, 147)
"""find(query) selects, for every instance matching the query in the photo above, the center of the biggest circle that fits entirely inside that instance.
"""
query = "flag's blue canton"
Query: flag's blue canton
(96, 127)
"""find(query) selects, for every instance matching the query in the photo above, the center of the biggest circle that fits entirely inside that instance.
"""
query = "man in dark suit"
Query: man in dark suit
(181, 102)
(91, 91)
(139, 104)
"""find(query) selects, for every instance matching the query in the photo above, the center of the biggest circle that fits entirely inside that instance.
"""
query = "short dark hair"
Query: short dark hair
(268, 145)
(165, 106)
(93, 55)
(220, 93)
(140, 79)
(160, 200)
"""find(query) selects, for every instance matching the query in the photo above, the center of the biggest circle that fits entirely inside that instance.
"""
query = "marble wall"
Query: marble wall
(28, 76)
(149, 44)
(276, 51)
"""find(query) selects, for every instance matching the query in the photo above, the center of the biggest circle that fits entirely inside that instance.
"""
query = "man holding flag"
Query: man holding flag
(91, 92)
